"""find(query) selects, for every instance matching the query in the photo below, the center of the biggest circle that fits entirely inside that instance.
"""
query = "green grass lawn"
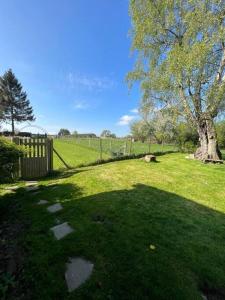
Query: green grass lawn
(78, 152)
(74, 154)
(176, 205)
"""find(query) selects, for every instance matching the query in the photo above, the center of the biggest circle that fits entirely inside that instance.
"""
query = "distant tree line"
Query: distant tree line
(66, 132)
(167, 130)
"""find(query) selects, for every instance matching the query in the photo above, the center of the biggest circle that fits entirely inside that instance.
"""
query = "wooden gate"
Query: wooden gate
(38, 159)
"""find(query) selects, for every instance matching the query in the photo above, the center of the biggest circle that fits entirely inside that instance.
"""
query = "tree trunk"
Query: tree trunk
(213, 147)
(13, 128)
(12, 122)
(208, 141)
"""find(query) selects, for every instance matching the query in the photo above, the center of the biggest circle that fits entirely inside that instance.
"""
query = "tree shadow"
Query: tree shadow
(145, 243)
(188, 253)
(22, 223)
(62, 173)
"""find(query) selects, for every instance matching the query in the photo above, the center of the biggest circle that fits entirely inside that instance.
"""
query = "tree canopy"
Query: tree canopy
(64, 131)
(180, 63)
(107, 134)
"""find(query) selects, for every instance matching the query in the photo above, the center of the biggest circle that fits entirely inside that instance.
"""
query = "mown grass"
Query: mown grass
(74, 154)
(78, 152)
(176, 205)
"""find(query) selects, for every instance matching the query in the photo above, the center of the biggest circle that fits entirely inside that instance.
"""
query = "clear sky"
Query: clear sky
(71, 57)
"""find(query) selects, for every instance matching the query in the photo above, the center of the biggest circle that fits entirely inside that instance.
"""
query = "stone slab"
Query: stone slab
(190, 156)
(61, 230)
(78, 270)
(12, 188)
(36, 193)
(31, 188)
(31, 183)
(54, 208)
(42, 202)
(149, 158)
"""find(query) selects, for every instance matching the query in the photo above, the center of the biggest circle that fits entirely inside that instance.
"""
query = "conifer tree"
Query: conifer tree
(13, 100)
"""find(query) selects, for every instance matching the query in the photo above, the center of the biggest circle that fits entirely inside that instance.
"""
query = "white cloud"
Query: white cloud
(80, 104)
(134, 110)
(125, 120)
(89, 82)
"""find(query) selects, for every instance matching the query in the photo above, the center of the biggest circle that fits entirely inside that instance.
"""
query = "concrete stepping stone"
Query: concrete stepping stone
(54, 208)
(41, 202)
(78, 270)
(36, 193)
(61, 230)
(52, 184)
(31, 188)
(31, 183)
(12, 188)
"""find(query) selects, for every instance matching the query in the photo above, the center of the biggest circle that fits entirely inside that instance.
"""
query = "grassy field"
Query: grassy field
(78, 152)
(161, 233)
(74, 154)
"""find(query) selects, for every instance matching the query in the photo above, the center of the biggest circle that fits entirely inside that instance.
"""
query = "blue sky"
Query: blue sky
(72, 57)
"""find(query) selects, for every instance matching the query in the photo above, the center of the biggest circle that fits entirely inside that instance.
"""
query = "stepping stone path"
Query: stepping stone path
(78, 271)
(54, 208)
(42, 202)
(61, 230)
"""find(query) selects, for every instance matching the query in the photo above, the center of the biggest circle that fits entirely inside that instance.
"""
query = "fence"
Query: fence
(82, 151)
(38, 158)
(117, 146)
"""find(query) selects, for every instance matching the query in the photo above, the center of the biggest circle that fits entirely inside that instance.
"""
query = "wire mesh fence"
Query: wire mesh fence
(81, 151)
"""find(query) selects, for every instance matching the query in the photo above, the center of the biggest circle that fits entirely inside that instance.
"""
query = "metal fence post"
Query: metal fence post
(130, 149)
(110, 145)
(100, 148)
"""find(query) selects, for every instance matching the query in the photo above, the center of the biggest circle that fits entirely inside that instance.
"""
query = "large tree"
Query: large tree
(107, 134)
(181, 61)
(13, 100)
(63, 132)
(141, 130)
(157, 124)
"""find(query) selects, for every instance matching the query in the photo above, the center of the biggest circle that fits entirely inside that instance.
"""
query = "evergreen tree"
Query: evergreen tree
(13, 100)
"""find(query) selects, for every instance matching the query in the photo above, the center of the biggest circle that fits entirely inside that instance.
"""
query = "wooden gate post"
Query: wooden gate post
(50, 154)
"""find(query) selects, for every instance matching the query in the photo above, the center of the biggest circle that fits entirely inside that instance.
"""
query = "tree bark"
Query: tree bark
(12, 122)
(208, 141)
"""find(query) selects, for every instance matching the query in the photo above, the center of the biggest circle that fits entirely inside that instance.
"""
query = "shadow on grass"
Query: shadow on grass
(189, 240)
(116, 230)
(22, 224)
(62, 173)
